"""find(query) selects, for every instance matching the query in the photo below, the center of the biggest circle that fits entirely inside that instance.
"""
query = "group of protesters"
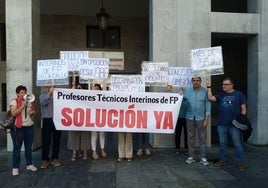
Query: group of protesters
(193, 117)
(23, 132)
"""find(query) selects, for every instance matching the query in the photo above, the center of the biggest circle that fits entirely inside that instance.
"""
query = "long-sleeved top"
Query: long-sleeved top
(46, 101)
(198, 104)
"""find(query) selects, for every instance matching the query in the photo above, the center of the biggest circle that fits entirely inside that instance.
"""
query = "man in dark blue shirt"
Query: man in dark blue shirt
(231, 103)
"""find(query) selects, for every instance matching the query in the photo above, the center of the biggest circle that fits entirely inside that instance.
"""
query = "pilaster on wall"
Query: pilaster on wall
(22, 41)
(178, 26)
(258, 79)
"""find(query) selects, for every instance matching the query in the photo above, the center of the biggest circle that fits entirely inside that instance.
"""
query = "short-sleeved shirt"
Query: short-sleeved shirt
(229, 105)
(26, 118)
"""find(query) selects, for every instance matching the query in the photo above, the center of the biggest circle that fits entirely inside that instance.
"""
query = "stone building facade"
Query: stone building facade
(167, 31)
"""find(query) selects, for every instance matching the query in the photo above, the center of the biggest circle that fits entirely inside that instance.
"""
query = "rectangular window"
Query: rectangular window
(4, 96)
(2, 42)
(239, 6)
(109, 38)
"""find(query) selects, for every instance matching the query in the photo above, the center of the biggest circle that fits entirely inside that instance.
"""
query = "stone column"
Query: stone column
(176, 27)
(257, 79)
(22, 45)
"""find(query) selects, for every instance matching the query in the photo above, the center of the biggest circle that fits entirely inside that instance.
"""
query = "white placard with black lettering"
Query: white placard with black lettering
(94, 68)
(180, 76)
(127, 83)
(155, 71)
(73, 58)
(52, 71)
(207, 61)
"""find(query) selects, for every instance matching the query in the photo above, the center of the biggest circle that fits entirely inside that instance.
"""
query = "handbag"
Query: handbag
(9, 122)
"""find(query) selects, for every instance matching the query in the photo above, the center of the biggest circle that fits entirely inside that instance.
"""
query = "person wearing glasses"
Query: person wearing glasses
(231, 103)
(197, 116)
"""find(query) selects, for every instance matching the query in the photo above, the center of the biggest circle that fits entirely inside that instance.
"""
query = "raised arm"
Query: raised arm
(210, 95)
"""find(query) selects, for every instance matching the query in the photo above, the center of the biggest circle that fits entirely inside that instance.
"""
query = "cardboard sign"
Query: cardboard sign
(180, 76)
(73, 58)
(155, 72)
(94, 68)
(207, 61)
(127, 83)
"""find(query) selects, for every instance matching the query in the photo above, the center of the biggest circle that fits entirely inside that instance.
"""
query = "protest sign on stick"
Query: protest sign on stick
(155, 72)
(127, 83)
(207, 61)
(94, 68)
(180, 76)
(73, 58)
(52, 70)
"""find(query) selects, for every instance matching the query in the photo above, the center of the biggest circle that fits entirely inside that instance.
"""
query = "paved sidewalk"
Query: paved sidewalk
(163, 169)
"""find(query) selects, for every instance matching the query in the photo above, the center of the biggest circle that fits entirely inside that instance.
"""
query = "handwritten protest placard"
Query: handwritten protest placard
(95, 110)
(207, 61)
(94, 68)
(127, 83)
(155, 71)
(73, 58)
(180, 76)
(116, 58)
(52, 71)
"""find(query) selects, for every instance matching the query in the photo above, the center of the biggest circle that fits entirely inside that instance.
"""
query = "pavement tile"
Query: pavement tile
(162, 169)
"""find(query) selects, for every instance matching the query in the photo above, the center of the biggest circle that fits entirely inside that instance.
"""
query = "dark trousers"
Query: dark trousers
(181, 123)
(49, 133)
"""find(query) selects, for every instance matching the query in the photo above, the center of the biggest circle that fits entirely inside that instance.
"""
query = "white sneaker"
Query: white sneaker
(139, 152)
(15, 171)
(31, 167)
(147, 151)
(190, 160)
(204, 162)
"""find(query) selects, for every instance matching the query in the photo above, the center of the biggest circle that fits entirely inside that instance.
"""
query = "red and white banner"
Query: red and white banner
(95, 110)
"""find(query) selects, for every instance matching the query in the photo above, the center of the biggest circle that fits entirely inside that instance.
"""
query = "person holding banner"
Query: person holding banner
(143, 144)
(94, 136)
(181, 123)
(78, 140)
(197, 116)
(231, 103)
(125, 146)
(23, 132)
(48, 129)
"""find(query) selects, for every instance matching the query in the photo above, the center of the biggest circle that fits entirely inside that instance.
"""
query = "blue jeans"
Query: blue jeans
(20, 135)
(237, 141)
(143, 140)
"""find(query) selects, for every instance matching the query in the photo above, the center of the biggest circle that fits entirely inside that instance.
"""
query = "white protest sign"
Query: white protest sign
(127, 83)
(73, 58)
(94, 68)
(96, 110)
(51, 69)
(116, 58)
(155, 71)
(207, 60)
(180, 76)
